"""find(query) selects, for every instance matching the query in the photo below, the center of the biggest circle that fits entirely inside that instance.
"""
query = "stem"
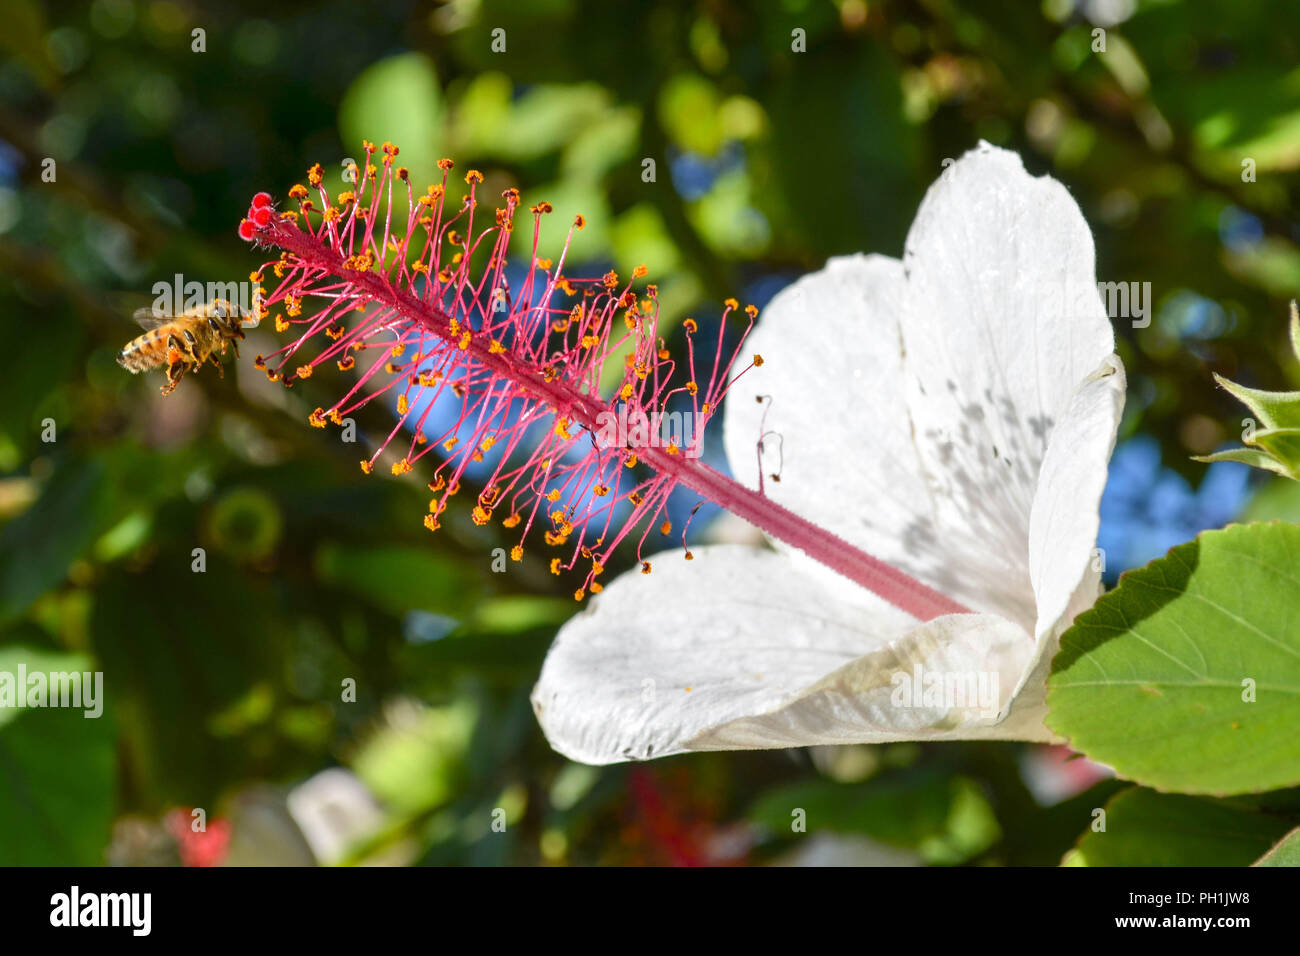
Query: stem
(899, 589)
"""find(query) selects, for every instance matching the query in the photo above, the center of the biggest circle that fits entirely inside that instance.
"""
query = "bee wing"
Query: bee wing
(148, 319)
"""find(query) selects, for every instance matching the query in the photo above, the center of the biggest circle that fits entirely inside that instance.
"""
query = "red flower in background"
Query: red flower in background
(206, 847)
(673, 825)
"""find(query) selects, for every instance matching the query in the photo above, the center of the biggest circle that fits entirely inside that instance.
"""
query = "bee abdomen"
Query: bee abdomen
(143, 353)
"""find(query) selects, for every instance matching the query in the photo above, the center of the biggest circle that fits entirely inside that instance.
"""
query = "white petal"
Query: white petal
(1066, 514)
(829, 406)
(739, 650)
(1001, 322)
(1064, 567)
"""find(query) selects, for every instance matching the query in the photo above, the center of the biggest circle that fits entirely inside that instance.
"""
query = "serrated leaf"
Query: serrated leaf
(1155, 679)
(1273, 409)
(1278, 441)
(1247, 456)
(1145, 828)
(1282, 443)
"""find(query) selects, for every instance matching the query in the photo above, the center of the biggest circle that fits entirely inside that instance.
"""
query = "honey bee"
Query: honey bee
(184, 342)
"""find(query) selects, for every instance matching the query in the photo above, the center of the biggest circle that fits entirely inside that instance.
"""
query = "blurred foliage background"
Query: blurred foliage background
(224, 689)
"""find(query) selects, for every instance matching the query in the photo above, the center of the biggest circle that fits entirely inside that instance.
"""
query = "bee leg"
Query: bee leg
(175, 372)
(191, 358)
(175, 354)
(221, 371)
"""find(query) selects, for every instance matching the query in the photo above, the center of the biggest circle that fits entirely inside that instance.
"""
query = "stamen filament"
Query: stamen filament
(583, 409)
(434, 325)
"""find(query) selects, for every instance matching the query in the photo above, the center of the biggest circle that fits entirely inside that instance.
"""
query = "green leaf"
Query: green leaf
(822, 165)
(57, 775)
(1145, 828)
(37, 547)
(1273, 409)
(947, 819)
(394, 100)
(1039, 836)
(190, 667)
(414, 760)
(688, 107)
(1276, 445)
(1156, 679)
(399, 578)
(1247, 456)
(1276, 500)
(1282, 443)
(1285, 853)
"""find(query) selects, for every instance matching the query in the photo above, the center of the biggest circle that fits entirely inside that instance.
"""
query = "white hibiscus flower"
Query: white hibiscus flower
(951, 414)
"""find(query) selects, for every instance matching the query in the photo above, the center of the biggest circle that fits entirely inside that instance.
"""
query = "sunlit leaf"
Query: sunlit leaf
(1144, 828)
(1187, 676)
